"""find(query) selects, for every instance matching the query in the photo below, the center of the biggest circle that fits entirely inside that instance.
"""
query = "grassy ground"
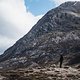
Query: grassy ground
(48, 73)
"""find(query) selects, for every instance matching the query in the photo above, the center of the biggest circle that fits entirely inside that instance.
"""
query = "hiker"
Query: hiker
(61, 60)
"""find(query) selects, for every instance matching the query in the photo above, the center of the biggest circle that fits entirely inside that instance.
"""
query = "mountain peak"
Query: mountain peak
(71, 5)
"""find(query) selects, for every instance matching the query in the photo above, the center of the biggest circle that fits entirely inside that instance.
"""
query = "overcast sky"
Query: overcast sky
(18, 16)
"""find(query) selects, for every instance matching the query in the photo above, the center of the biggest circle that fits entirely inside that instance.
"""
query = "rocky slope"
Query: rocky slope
(58, 31)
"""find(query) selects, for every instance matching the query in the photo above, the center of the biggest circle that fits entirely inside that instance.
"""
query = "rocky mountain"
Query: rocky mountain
(57, 32)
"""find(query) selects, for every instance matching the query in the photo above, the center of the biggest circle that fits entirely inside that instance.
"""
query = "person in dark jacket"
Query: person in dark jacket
(61, 60)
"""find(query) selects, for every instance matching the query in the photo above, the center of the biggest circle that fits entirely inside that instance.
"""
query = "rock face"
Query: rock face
(58, 31)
